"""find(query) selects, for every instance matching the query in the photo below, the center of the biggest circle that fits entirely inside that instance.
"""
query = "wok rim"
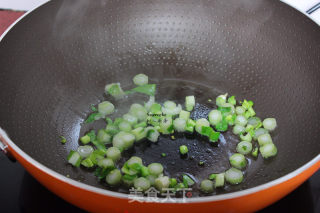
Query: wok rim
(106, 192)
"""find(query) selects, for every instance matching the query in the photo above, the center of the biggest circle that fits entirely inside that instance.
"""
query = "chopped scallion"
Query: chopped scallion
(166, 125)
(105, 108)
(215, 117)
(85, 151)
(206, 186)
(179, 124)
(219, 180)
(113, 153)
(87, 163)
(162, 182)
(183, 149)
(234, 176)
(255, 152)
(264, 139)
(268, 150)
(212, 176)
(244, 147)
(63, 140)
(142, 184)
(240, 110)
(155, 169)
(74, 158)
(184, 115)
(114, 177)
(140, 79)
(187, 181)
(221, 99)
(85, 139)
(138, 111)
(232, 100)
(238, 161)
(114, 90)
(139, 133)
(200, 123)
(269, 124)
(190, 125)
(148, 89)
(103, 137)
(152, 134)
(190, 103)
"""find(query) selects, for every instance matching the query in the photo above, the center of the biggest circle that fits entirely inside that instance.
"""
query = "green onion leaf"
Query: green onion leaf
(125, 169)
(187, 181)
(101, 173)
(222, 126)
(117, 121)
(221, 99)
(155, 109)
(255, 152)
(99, 146)
(247, 104)
(231, 119)
(141, 124)
(183, 149)
(93, 139)
(63, 139)
(170, 128)
(92, 135)
(144, 171)
(96, 155)
(93, 108)
(148, 89)
(135, 166)
(173, 182)
(114, 90)
(209, 132)
(224, 110)
(85, 139)
(129, 177)
(190, 125)
(109, 121)
(214, 136)
(206, 130)
(87, 163)
(93, 117)
(232, 100)
(212, 176)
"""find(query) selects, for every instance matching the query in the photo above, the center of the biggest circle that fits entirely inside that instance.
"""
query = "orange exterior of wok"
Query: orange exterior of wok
(96, 202)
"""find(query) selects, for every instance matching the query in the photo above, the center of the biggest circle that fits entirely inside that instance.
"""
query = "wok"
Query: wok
(57, 59)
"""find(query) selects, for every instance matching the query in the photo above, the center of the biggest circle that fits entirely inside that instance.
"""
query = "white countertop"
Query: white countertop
(306, 5)
(20, 4)
(302, 5)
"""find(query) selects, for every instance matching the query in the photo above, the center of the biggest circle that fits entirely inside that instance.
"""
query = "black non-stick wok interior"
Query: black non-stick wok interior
(56, 62)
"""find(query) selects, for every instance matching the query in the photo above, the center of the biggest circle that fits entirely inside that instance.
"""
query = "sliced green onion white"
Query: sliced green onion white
(179, 124)
(140, 79)
(85, 151)
(147, 121)
(269, 124)
(105, 108)
(190, 102)
(215, 117)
